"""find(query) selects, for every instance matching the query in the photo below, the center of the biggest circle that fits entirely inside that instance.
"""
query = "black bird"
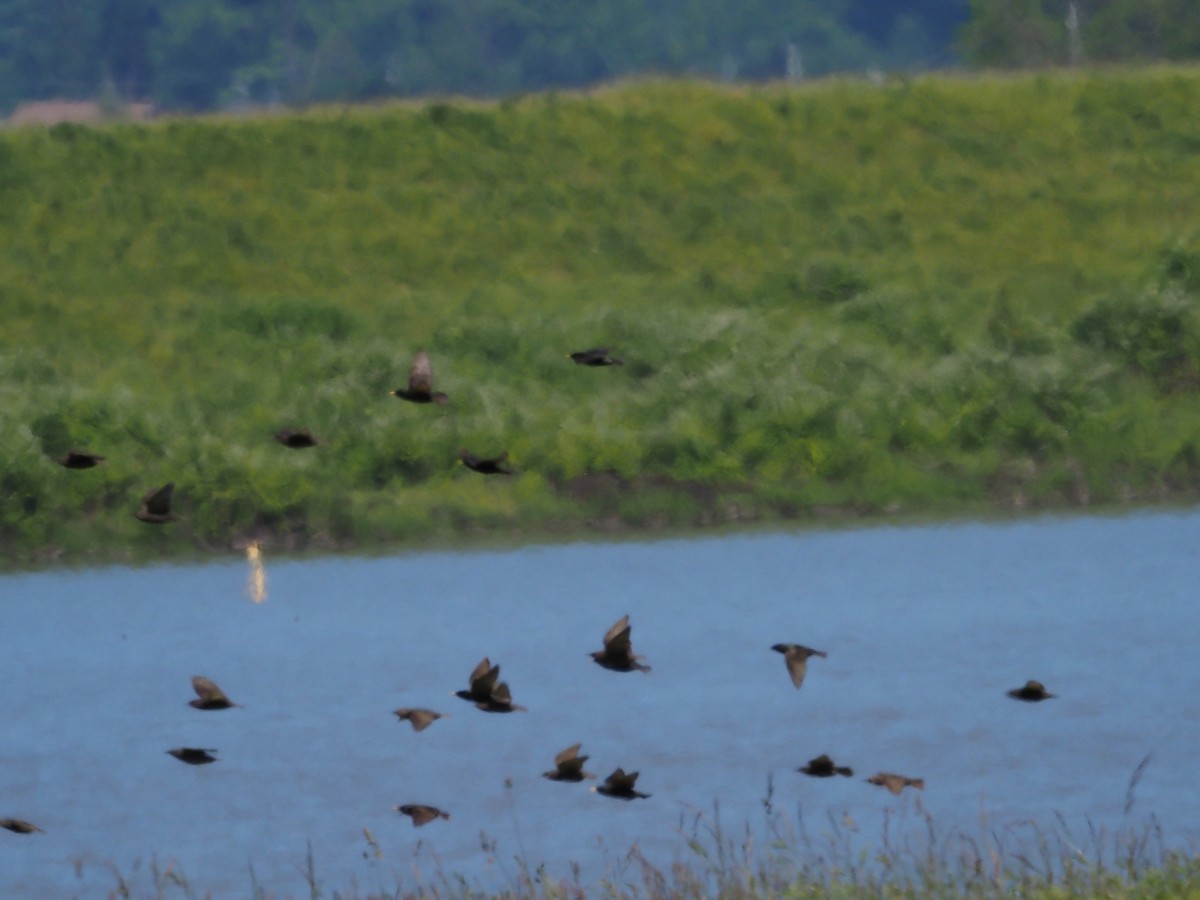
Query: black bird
(493, 466)
(618, 649)
(796, 656)
(1031, 692)
(193, 756)
(620, 785)
(19, 826)
(487, 692)
(420, 383)
(597, 356)
(568, 766)
(156, 505)
(824, 767)
(79, 459)
(296, 438)
(208, 695)
(420, 813)
(896, 783)
(419, 719)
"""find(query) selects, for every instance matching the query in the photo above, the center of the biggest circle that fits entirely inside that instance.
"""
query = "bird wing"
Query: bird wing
(617, 639)
(482, 672)
(620, 781)
(420, 375)
(797, 666)
(158, 501)
(206, 689)
(422, 814)
(567, 755)
(501, 694)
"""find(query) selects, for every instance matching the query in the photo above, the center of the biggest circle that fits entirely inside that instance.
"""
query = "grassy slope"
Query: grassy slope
(933, 294)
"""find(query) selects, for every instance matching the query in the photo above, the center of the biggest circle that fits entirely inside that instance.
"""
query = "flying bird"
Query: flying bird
(620, 785)
(419, 719)
(1031, 692)
(596, 356)
(493, 466)
(156, 505)
(618, 649)
(19, 826)
(420, 813)
(296, 438)
(896, 783)
(824, 767)
(193, 756)
(568, 766)
(79, 459)
(420, 383)
(208, 695)
(796, 656)
(487, 692)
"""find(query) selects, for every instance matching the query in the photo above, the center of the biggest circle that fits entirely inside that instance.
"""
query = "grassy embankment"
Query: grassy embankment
(936, 295)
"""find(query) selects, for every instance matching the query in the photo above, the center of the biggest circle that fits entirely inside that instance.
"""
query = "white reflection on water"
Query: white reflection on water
(925, 627)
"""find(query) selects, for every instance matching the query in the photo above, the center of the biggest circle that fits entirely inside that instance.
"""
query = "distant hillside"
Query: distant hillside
(927, 295)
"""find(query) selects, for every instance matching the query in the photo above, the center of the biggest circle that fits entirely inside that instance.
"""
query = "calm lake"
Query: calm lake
(925, 627)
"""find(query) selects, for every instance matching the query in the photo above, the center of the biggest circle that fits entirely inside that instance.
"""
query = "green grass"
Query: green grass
(935, 294)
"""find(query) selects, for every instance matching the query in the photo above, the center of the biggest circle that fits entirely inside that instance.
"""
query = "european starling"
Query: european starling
(420, 383)
(208, 695)
(500, 701)
(296, 438)
(156, 505)
(823, 767)
(19, 826)
(796, 656)
(620, 785)
(493, 466)
(1031, 692)
(419, 719)
(421, 814)
(896, 783)
(487, 692)
(193, 756)
(79, 459)
(618, 649)
(597, 356)
(568, 766)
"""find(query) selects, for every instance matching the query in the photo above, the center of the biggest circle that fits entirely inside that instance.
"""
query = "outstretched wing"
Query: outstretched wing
(617, 640)
(158, 501)
(420, 376)
(566, 756)
(206, 689)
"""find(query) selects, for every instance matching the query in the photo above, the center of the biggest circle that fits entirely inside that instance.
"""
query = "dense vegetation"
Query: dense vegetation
(934, 294)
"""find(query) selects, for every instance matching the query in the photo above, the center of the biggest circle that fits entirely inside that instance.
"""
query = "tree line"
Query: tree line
(208, 54)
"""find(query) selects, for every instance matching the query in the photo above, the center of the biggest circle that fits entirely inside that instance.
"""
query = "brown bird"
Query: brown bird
(618, 649)
(419, 719)
(796, 656)
(156, 505)
(824, 767)
(1031, 692)
(19, 826)
(79, 459)
(208, 695)
(493, 466)
(596, 356)
(896, 783)
(193, 756)
(420, 813)
(420, 383)
(296, 438)
(620, 785)
(487, 692)
(568, 766)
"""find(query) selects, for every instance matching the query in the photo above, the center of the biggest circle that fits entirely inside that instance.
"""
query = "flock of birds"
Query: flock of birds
(485, 690)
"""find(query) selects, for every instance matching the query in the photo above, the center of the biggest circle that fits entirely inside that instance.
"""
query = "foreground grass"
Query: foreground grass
(936, 295)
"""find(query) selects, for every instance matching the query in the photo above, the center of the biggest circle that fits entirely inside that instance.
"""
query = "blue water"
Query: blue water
(926, 627)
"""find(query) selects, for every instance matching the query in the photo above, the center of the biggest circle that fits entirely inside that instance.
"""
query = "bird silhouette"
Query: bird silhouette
(1031, 692)
(79, 459)
(620, 785)
(420, 813)
(617, 654)
(493, 466)
(420, 383)
(19, 826)
(193, 756)
(568, 766)
(824, 767)
(896, 783)
(156, 505)
(596, 356)
(796, 657)
(296, 438)
(487, 692)
(419, 719)
(208, 695)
